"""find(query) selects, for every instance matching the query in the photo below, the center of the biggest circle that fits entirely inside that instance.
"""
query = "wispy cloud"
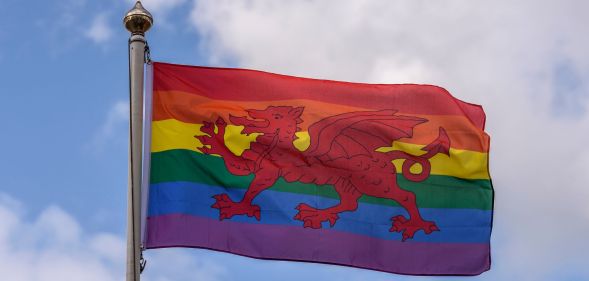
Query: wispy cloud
(62, 25)
(570, 89)
(505, 56)
(113, 130)
(100, 31)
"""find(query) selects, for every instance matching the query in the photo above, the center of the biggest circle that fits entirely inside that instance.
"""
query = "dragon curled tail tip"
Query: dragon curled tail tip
(440, 145)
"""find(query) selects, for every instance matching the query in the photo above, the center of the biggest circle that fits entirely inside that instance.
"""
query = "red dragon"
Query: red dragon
(342, 153)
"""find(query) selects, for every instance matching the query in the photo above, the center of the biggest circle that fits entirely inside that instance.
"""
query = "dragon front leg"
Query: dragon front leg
(313, 218)
(214, 143)
(228, 208)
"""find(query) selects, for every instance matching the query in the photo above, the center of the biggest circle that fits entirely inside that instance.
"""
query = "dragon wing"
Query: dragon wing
(358, 133)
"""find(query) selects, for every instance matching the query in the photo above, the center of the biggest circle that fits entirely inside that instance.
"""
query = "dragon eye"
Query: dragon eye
(277, 116)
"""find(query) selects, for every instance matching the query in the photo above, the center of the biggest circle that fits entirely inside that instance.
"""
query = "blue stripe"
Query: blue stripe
(456, 225)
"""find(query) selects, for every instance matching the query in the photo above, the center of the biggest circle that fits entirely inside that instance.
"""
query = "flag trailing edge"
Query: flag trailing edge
(385, 177)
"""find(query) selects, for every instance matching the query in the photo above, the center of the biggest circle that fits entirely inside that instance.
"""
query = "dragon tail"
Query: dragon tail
(440, 145)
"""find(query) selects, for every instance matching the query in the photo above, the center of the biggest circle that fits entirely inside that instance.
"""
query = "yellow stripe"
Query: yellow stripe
(173, 134)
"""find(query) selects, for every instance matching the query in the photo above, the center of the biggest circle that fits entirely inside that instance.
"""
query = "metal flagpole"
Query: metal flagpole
(138, 20)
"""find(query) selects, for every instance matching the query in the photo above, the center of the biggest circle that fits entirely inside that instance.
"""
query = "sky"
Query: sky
(64, 108)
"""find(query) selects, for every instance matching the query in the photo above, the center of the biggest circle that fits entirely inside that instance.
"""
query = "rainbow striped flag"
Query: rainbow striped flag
(385, 177)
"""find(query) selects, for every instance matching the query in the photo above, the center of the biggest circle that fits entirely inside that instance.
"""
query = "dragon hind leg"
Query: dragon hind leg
(408, 227)
(387, 188)
(312, 217)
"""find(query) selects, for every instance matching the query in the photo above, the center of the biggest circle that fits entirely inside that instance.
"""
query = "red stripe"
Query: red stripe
(251, 85)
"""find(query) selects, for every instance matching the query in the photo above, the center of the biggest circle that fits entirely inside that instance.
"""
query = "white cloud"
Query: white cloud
(51, 247)
(54, 246)
(501, 54)
(100, 32)
(114, 129)
(59, 225)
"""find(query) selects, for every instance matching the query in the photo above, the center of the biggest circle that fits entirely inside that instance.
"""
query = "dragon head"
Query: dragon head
(281, 120)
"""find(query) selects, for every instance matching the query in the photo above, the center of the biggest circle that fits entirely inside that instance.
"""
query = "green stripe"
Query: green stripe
(435, 192)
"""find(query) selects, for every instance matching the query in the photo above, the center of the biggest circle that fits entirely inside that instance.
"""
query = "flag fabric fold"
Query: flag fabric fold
(386, 177)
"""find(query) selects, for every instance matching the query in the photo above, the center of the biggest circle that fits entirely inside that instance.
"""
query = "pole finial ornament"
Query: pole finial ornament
(138, 20)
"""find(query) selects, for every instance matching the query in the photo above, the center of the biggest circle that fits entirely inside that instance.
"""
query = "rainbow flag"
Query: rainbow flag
(385, 177)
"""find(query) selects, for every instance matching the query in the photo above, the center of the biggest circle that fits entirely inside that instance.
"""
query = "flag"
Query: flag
(385, 177)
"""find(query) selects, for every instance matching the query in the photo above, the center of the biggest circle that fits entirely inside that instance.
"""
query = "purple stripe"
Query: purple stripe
(317, 245)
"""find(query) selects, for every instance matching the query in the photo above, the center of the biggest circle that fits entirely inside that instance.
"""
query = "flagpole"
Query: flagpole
(138, 20)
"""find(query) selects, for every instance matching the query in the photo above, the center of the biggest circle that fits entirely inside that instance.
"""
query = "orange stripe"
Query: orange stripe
(197, 109)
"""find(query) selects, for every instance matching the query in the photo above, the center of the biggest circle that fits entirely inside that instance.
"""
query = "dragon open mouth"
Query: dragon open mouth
(251, 125)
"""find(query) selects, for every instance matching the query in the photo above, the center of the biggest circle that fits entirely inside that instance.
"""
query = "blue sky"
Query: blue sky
(64, 90)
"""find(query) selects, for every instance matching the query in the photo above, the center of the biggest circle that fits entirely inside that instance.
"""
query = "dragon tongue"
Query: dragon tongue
(244, 121)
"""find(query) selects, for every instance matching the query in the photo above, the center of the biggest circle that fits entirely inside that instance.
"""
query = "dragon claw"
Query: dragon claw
(257, 214)
(431, 229)
(205, 150)
(228, 208)
(312, 218)
(399, 218)
(332, 220)
(408, 228)
(207, 128)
